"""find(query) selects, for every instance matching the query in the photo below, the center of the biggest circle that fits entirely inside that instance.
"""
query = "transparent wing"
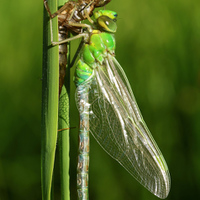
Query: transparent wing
(117, 124)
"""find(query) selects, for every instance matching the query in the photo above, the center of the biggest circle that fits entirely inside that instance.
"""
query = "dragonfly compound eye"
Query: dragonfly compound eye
(107, 24)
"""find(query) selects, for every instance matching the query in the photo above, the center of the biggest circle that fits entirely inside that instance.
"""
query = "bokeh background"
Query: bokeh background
(158, 45)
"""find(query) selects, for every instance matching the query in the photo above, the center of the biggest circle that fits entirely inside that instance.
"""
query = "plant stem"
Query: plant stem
(50, 82)
(63, 122)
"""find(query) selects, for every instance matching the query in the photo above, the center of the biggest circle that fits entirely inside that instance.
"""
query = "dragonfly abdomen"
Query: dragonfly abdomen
(83, 165)
(84, 148)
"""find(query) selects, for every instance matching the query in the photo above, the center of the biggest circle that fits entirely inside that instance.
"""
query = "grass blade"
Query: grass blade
(63, 122)
(50, 80)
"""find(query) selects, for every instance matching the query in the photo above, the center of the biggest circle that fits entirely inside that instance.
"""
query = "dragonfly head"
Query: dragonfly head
(106, 20)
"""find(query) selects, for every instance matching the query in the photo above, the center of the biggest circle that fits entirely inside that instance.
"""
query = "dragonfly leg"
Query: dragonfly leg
(85, 35)
(88, 17)
(81, 25)
(47, 8)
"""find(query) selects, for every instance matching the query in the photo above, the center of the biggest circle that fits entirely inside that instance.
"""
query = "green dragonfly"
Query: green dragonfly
(108, 110)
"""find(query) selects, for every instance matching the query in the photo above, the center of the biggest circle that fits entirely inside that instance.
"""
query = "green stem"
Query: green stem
(50, 82)
(63, 122)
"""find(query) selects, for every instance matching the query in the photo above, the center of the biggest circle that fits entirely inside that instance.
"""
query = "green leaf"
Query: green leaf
(50, 82)
(63, 123)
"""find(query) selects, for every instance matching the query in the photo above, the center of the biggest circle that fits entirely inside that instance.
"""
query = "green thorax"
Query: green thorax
(99, 45)
(101, 42)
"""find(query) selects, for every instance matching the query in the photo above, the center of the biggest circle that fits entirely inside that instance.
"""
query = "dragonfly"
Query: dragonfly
(108, 110)
(69, 17)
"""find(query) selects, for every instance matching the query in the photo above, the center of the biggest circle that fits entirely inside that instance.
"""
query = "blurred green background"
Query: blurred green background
(158, 45)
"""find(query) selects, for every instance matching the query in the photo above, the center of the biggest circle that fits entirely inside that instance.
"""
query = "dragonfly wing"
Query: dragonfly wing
(117, 124)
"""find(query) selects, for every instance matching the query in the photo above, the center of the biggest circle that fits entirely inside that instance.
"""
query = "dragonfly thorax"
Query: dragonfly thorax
(93, 54)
